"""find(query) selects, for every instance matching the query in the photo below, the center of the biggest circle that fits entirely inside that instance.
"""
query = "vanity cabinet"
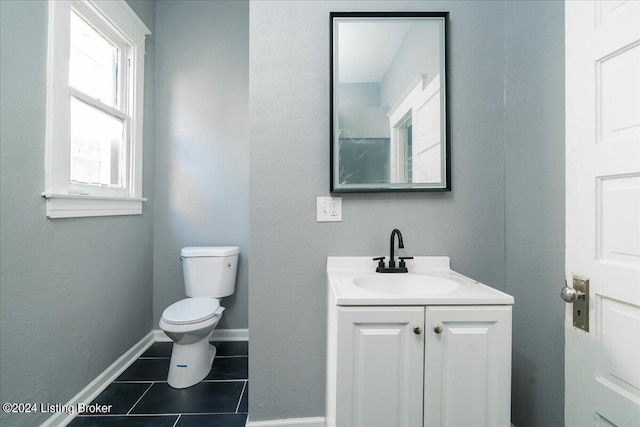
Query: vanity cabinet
(419, 366)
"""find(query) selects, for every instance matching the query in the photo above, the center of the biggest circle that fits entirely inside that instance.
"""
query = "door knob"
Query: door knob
(437, 329)
(570, 295)
(417, 330)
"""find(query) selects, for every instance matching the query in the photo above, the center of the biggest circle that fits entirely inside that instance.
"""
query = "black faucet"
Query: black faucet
(402, 267)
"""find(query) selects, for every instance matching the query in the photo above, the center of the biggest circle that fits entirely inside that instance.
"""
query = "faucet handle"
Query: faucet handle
(380, 260)
(402, 258)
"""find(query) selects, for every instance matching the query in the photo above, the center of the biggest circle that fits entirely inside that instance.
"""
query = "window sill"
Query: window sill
(75, 205)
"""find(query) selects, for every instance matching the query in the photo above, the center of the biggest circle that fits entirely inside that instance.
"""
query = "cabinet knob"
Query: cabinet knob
(417, 330)
(437, 329)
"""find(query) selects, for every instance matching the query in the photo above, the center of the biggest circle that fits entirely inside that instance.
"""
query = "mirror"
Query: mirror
(389, 122)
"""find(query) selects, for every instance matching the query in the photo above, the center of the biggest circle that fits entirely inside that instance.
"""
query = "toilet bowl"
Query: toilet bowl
(189, 323)
(210, 274)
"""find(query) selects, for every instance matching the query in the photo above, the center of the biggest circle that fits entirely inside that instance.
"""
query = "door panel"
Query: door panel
(618, 233)
(602, 368)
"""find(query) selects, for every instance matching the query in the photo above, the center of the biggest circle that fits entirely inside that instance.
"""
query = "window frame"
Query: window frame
(117, 21)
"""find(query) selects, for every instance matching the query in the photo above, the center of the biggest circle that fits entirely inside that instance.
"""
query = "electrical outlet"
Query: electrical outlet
(329, 209)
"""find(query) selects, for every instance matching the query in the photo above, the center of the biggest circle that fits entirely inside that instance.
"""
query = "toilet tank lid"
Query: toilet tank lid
(200, 251)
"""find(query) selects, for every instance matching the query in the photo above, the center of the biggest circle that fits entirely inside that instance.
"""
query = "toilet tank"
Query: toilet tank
(209, 271)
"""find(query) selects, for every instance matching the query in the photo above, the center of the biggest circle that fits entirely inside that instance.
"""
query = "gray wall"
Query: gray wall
(289, 160)
(75, 294)
(407, 65)
(506, 74)
(360, 113)
(534, 135)
(502, 223)
(202, 169)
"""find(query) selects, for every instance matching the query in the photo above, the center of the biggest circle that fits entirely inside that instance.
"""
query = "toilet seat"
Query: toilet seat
(191, 310)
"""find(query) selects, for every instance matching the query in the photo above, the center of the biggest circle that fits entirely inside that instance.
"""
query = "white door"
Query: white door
(467, 366)
(380, 366)
(602, 366)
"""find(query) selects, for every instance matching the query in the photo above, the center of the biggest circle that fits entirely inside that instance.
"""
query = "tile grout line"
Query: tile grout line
(241, 395)
(229, 356)
(213, 380)
(151, 414)
(163, 414)
(139, 399)
(154, 414)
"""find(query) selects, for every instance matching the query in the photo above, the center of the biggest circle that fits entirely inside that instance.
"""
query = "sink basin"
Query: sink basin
(408, 284)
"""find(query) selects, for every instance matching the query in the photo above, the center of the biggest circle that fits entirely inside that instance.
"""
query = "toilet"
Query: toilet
(209, 275)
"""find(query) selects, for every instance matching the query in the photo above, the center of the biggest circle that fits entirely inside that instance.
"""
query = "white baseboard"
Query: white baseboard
(216, 335)
(289, 422)
(101, 382)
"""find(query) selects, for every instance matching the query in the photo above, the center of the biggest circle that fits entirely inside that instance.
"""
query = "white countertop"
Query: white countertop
(343, 272)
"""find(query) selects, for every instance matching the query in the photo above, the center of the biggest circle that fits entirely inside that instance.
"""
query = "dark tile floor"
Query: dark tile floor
(141, 397)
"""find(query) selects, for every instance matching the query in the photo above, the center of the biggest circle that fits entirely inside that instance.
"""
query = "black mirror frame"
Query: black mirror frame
(447, 160)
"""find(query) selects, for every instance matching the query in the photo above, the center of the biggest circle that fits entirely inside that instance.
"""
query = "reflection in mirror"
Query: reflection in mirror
(389, 124)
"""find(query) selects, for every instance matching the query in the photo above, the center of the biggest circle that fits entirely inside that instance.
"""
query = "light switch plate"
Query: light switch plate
(329, 209)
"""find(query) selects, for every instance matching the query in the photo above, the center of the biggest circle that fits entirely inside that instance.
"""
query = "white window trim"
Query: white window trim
(60, 203)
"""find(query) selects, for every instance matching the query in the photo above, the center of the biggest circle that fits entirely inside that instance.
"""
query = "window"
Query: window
(95, 88)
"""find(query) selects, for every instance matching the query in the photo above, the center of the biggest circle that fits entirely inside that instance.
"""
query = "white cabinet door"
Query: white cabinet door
(380, 368)
(468, 366)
